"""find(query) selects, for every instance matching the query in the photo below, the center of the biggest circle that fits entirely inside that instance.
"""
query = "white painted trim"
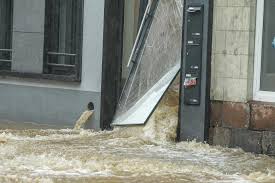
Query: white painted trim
(257, 93)
(265, 96)
(139, 32)
(258, 48)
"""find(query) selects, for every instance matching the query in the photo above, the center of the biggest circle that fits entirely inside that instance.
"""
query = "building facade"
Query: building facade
(242, 87)
(57, 56)
(242, 75)
(53, 60)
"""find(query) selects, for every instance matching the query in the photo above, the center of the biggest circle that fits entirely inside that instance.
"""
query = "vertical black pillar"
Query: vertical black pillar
(112, 60)
(196, 64)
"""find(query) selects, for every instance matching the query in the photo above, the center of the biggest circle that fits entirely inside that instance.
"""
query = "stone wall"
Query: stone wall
(235, 120)
(250, 126)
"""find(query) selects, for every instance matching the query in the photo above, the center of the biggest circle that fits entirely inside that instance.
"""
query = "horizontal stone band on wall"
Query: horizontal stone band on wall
(250, 126)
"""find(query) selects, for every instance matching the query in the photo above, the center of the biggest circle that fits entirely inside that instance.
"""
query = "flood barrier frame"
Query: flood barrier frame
(194, 119)
(111, 60)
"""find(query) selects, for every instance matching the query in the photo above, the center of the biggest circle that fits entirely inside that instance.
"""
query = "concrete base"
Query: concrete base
(250, 141)
(55, 108)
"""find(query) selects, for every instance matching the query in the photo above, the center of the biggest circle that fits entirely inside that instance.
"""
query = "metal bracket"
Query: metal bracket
(193, 9)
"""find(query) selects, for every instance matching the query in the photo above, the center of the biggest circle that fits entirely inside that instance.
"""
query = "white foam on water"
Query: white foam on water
(118, 155)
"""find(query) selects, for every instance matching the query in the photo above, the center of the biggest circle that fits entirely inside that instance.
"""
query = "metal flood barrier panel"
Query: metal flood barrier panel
(155, 61)
(195, 85)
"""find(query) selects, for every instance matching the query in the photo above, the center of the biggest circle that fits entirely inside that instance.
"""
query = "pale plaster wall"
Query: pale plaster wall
(233, 50)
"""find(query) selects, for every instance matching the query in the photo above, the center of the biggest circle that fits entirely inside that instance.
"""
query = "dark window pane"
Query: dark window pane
(5, 34)
(268, 51)
(63, 29)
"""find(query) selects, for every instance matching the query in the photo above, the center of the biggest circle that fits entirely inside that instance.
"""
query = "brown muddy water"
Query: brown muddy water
(140, 154)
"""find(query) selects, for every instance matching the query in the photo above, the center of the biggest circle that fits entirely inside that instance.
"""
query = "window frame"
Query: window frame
(79, 48)
(43, 75)
(258, 94)
(11, 39)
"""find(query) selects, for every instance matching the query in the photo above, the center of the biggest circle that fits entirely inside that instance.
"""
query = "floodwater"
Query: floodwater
(80, 123)
(139, 154)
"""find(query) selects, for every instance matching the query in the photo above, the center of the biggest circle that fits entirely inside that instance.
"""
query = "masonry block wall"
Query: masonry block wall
(237, 120)
(233, 39)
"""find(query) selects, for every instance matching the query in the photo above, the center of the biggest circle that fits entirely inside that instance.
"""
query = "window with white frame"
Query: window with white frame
(264, 82)
(6, 7)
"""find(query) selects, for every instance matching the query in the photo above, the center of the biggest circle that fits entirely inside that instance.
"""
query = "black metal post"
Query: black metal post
(196, 64)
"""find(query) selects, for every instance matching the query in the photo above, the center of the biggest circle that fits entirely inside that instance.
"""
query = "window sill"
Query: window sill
(264, 96)
(257, 102)
(72, 78)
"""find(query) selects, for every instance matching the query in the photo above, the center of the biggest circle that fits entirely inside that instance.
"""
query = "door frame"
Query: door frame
(111, 60)
(258, 94)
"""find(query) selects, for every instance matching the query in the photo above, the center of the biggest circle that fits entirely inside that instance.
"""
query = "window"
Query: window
(63, 37)
(5, 34)
(264, 67)
(268, 51)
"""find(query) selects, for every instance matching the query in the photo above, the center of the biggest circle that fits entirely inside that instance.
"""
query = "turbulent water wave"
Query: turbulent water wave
(117, 156)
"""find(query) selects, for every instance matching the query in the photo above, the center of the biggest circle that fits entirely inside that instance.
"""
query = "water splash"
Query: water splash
(162, 126)
(83, 120)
